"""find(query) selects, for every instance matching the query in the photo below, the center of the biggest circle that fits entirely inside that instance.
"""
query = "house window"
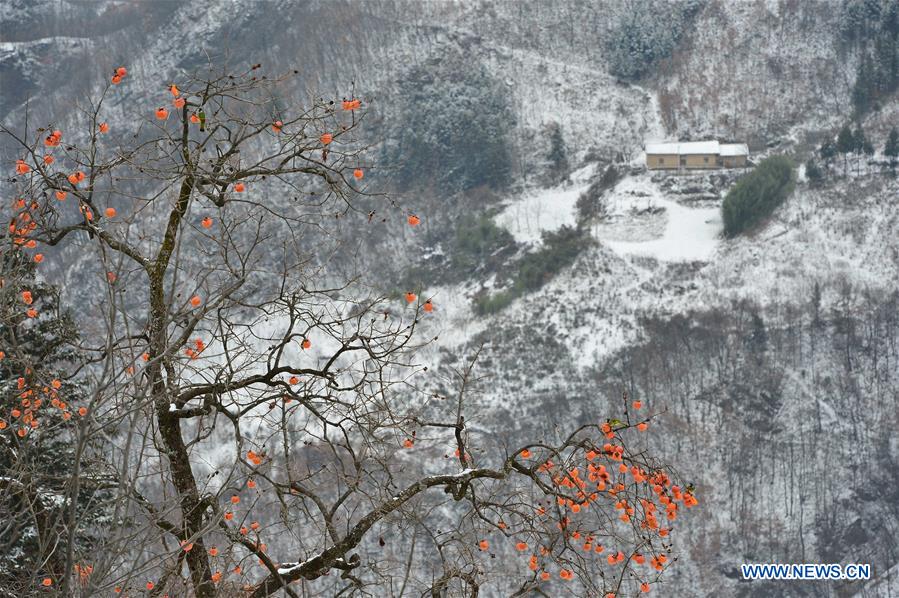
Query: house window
(706, 159)
(683, 161)
(719, 161)
(661, 161)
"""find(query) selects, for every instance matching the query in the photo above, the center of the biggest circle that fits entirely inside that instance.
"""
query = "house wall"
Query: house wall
(693, 161)
(700, 161)
(661, 161)
(734, 161)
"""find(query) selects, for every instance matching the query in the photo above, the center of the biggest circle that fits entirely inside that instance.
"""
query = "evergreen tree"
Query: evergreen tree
(816, 304)
(828, 151)
(40, 438)
(861, 145)
(845, 144)
(558, 154)
(861, 91)
(813, 173)
(868, 149)
(758, 335)
(891, 148)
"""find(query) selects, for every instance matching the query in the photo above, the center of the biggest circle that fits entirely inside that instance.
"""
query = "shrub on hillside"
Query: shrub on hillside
(560, 249)
(756, 195)
(478, 238)
(813, 173)
(590, 203)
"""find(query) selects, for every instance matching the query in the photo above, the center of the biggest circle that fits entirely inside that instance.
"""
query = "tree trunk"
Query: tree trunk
(183, 480)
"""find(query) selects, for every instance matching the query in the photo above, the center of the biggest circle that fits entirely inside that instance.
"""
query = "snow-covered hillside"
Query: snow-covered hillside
(772, 358)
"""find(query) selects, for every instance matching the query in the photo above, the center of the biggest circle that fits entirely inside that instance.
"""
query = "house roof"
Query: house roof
(683, 148)
(734, 149)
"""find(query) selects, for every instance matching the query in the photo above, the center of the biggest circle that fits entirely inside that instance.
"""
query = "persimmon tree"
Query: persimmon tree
(261, 419)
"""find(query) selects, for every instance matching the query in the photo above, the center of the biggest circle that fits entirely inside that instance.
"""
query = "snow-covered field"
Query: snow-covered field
(545, 209)
(687, 233)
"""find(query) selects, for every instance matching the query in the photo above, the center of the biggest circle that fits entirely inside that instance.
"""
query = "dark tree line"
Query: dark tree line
(872, 28)
(854, 143)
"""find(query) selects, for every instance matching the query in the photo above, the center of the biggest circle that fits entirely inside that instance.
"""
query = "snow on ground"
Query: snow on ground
(691, 234)
(643, 221)
(453, 321)
(545, 209)
(818, 236)
(886, 584)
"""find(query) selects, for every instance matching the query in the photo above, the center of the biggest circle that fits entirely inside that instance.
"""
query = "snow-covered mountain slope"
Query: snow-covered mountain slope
(772, 356)
(768, 356)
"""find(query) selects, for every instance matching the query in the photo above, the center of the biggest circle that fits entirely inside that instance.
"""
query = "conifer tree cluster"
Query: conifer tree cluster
(646, 33)
(53, 499)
